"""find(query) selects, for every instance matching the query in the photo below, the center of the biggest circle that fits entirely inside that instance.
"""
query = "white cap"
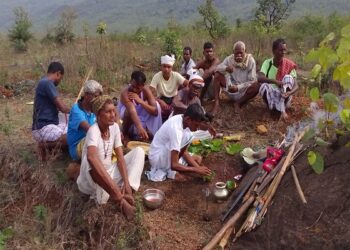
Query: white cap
(168, 60)
(197, 80)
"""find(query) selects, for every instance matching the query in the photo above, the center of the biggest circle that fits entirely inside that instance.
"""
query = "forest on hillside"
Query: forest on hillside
(124, 15)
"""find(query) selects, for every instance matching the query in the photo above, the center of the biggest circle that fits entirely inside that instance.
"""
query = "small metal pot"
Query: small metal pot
(153, 198)
(220, 191)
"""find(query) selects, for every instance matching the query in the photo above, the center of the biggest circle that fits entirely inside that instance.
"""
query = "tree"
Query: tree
(101, 30)
(64, 29)
(19, 33)
(271, 13)
(213, 22)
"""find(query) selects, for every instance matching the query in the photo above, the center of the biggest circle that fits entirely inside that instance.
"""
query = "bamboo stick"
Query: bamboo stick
(297, 184)
(226, 237)
(82, 84)
(250, 190)
(218, 236)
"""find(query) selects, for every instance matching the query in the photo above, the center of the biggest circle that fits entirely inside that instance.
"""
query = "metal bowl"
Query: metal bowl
(153, 198)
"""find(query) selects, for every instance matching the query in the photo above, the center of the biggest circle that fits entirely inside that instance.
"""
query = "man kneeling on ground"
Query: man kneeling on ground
(168, 153)
(99, 177)
(237, 76)
(139, 110)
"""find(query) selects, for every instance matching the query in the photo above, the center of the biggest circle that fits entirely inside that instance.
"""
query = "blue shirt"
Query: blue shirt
(75, 132)
(45, 111)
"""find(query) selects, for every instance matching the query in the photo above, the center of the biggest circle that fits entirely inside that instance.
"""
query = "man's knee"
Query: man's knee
(219, 79)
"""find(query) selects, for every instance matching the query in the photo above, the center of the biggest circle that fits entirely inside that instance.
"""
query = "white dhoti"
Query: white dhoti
(242, 88)
(134, 166)
(274, 93)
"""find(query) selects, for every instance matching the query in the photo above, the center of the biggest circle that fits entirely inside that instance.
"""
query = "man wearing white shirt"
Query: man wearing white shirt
(168, 153)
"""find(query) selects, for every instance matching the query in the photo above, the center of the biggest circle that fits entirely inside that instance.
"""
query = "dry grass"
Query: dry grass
(44, 209)
(41, 206)
(114, 62)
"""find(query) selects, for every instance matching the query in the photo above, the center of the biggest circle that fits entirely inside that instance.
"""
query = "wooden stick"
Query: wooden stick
(218, 236)
(249, 192)
(82, 84)
(224, 239)
(297, 184)
(241, 194)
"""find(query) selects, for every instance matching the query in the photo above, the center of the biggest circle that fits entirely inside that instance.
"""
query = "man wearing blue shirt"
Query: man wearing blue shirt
(81, 118)
(47, 104)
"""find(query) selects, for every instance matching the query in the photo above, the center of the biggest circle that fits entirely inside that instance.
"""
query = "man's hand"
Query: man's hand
(233, 89)
(127, 194)
(142, 133)
(135, 97)
(279, 83)
(206, 74)
(163, 105)
(202, 170)
(229, 69)
(286, 95)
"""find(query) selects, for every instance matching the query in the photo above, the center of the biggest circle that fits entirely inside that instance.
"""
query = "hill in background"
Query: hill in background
(128, 15)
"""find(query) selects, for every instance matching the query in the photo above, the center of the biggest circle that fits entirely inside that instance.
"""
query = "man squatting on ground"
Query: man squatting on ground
(99, 177)
(139, 110)
(236, 75)
(46, 127)
(165, 84)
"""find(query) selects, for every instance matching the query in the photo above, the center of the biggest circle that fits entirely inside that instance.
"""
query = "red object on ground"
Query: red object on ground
(274, 155)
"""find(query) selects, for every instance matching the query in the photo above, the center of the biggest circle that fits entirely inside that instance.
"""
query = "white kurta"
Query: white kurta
(171, 136)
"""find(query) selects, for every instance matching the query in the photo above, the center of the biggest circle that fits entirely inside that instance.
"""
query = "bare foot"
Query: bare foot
(284, 117)
(127, 209)
(73, 171)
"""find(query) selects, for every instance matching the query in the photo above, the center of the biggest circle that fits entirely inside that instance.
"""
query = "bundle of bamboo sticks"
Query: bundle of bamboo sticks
(257, 198)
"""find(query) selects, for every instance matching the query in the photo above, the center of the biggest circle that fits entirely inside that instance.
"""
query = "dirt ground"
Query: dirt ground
(323, 223)
(76, 222)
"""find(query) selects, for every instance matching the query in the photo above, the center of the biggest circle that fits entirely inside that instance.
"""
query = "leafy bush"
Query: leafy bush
(64, 29)
(171, 43)
(331, 56)
(19, 34)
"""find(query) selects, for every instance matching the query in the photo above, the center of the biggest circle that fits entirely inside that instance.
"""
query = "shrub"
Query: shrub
(19, 34)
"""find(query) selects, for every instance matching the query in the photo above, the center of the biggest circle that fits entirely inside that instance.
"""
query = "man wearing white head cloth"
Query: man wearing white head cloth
(236, 75)
(166, 83)
(188, 96)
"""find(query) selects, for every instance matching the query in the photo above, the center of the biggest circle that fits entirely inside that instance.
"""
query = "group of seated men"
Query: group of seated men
(166, 112)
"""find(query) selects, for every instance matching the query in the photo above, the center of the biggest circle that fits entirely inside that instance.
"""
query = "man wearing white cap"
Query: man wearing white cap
(166, 83)
(188, 96)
